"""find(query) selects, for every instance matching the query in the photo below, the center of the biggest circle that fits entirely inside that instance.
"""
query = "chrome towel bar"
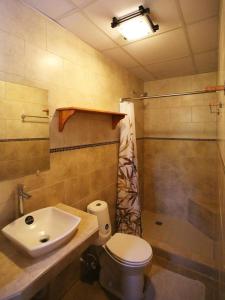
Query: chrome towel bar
(23, 117)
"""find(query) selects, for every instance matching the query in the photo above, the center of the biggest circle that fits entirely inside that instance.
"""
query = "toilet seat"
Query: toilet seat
(129, 250)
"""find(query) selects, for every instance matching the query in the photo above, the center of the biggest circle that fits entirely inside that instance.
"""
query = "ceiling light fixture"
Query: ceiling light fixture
(136, 25)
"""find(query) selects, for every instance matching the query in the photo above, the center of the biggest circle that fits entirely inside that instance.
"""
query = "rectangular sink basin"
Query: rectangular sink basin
(42, 231)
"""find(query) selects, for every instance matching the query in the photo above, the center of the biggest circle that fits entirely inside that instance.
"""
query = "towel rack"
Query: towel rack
(23, 117)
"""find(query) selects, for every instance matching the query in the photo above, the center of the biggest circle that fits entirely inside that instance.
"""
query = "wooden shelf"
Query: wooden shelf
(65, 113)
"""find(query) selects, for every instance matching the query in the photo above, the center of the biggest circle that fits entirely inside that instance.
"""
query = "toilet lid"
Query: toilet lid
(129, 248)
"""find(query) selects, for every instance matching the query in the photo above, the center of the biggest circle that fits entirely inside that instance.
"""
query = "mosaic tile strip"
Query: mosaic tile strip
(179, 139)
(70, 148)
(140, 138)
(23, 140)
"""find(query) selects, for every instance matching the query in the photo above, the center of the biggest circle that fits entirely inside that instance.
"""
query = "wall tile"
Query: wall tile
(11, 54)
(202, 114)
(171, 177)
(2, 129)
(42, 65)
(62, 43)
(2, 90)
(18, 20)
(183, 116)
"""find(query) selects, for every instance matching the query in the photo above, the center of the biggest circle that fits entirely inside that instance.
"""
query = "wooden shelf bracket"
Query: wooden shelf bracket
(64, 116)
(116, 119)
(66, 113)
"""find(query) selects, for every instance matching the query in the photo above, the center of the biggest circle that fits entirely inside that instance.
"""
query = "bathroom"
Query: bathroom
(57, 54)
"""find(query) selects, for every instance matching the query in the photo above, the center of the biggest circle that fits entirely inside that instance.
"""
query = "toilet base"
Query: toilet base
(126, 283)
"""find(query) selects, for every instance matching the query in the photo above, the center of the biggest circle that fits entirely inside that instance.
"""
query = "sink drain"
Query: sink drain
(44, 238)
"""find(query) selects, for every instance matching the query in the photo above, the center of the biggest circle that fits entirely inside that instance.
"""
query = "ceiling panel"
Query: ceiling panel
(86, 31)
(52, 8)
(204, 35)
(120, 56)
(196, 10)
(174, 68)
(101, 13)
(206, 62)
(159, 48)
(141, 73)
(82, 3)
(164, 13)
(168, 52)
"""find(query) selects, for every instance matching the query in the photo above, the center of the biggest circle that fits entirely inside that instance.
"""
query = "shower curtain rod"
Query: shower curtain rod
(210, 89)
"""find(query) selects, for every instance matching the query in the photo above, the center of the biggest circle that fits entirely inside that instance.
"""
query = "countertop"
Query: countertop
(22, 276)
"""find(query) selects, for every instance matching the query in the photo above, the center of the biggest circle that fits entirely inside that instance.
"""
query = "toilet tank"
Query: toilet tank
(100, 209)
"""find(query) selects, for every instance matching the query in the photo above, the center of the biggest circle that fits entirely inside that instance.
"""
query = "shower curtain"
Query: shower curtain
(128, 208)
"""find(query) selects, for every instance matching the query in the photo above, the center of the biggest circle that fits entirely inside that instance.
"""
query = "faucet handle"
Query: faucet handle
(20, 188)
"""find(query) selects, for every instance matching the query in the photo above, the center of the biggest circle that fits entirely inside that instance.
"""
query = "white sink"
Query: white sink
(42, 231)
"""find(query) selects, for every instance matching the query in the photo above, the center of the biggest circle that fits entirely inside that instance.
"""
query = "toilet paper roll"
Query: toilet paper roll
(99, 208)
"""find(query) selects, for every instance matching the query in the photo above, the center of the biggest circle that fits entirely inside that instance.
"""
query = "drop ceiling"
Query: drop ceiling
(185, 44)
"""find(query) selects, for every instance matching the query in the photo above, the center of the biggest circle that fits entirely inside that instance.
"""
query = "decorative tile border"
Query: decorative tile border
(77, 147)
(23, 140)
(110, 142)
(140, 138)
(179, 139)
(70, 148)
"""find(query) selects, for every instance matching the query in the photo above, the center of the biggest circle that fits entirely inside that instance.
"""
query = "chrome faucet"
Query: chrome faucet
(21, 195)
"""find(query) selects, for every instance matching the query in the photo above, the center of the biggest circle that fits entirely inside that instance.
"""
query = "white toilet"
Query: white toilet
(123, 259)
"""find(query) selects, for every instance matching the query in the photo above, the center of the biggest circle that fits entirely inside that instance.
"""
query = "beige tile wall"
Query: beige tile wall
(221, 143)
(37, 52)
(20, 158)
(180, 178)
(180, 175)
(183, 116)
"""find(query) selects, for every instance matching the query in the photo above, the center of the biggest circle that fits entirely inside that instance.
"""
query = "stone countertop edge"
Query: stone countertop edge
(22, 276)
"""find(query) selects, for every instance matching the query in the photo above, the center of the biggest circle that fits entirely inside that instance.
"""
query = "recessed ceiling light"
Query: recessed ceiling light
(136, 25)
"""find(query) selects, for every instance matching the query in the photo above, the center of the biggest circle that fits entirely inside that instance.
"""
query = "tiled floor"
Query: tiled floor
(161, 284)
(178, 237)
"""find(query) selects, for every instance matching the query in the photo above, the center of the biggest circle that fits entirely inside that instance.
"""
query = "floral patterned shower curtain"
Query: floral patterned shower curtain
(128, 209)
